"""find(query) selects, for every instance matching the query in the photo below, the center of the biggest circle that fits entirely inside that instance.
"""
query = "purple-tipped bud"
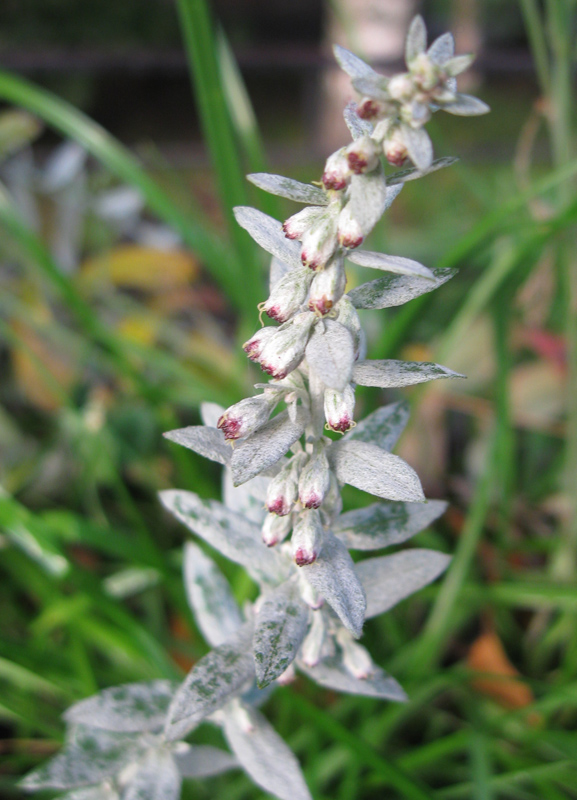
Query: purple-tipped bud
(282, 491)
(370, 109)
(328, 287)
(314, 479)
(320, 240)
(395, 149)
(275, 529)
(307, 538)
(347, 315)
(246, 417)
(296, 226)
(337, 172)
(288, 295)
(349, 231)
(339, 409)
(312, 647)
(253, 348)
(355, 658)
(362, 155)
(285, 350)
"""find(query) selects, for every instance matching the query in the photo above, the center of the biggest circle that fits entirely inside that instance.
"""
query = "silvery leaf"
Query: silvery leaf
(63, 166)
(416, 39)
(289, 188)
(208, 442)
(279, 629)
(278, 269)
(383, 427)
(210, 414)
(265, 756)
(334, 578)
(203, 761)
(442, 49)
(398, 264)
(332, 674)
(157, 778)
(90, 756)
(385, 524)
(374, 85)
(457, 64)
(247, 499)
(369, 198)
(209, 596)
(265, 447)
(412, 173)
(214, 680)
(330, 354)
(268, 232)
(419, 146)
(353, 65)
(467, 106)
(389, 579)
(391, 373)
(373, 470)
(231, 534)
(129, 708)
(102, 792)
(394, 291)
(357, 127)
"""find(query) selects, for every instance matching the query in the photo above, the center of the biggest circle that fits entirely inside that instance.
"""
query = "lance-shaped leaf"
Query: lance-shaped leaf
(391, 373)
(385, 524)
(90, 756)
(279, 629)
(330, 354)
(357, 127)
(209, 595)
(416, 39)
(383, 427)
(208, 442)
(102, 792)
(218, 677)
(265, 756)
(389, 579)
(412, 173)
(467, 106)
(129, 708)
(289, 188)
(203, 761)
(397, 264)
(369, 198)
(156, 778)
(442, 49)
(392, 290)
(268, 232)
(373, 470)
(334, 578)
(354, 66)
(332, 674)
(419, 146)
(265, 447)
(229, 533)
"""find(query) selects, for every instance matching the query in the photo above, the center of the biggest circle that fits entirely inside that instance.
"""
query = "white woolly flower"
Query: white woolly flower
(337, 172)
(285, 350)
(349, 230)
(314, 479)
(319, 242)
(339, 409)
(282, 491)
(246, 417)
(307, 538)
(288, 295)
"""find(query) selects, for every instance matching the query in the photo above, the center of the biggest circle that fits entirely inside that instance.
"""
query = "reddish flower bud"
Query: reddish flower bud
(350, 233)
(328, 287)
(288, 295)
(337, 172)
(284, 351)
(249, 415)
(282, 491)
(253, 348)
(307, 538)
(296, 226)
(275, 529)
(362, 155)
(339, 409)
(320, 240)
(314, 479)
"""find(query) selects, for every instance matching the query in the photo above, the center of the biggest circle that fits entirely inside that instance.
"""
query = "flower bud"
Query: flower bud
(416, 114)
(285, 350)
(246, 417)
(288, 295)
(401, 87)
(371, 109)
(426, 74)
(347, 315)
(288, 676)
(275, 529)
(350, 233)
(307, 538)
(339, 409)
(337, 172)
(282, 491)
(394, 148)
(355, 658)
(297, 225)
(253, 348)
(312, 647)
(320, 241)
(362, 155)
(314, 479)
(328, 287)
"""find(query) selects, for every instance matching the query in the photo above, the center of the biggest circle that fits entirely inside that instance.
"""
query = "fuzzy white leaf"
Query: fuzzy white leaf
(392, 291)
(412, 173)
(333, 576)
(289, 188)
(210, 597)
(383, 427)
(369, 198)
(457, 64)
(354, 66)
(419, 146)
(210, 414)
(268, 233)
(265, 447)
(416, 39)
(332, 674)
(203, 761)
(219, 676)
(280, 627)
(391, 373)
(442, 49)
(265, 756)
(157, 778)
(278, 270)
(467, 106)
(389, 579)
(385, 524)
(397, 264)
(208, 442)
(102, 792)
(129, 708)
(357, 127)
(373, 470)
(330, 354)
(248, 499)
(231, 534)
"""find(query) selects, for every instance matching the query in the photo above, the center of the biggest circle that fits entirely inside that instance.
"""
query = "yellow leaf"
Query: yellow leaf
(502, 682)
(138, 267)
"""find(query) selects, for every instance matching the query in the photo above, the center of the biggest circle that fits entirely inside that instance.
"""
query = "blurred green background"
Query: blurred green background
(126, 290)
